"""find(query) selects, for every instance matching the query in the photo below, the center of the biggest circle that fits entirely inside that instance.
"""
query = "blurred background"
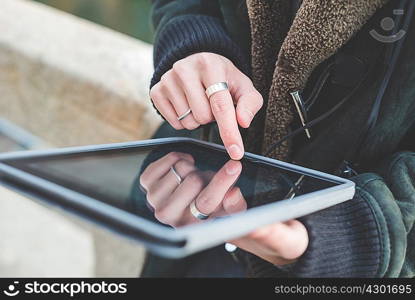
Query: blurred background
(131, 17)
(72, 72)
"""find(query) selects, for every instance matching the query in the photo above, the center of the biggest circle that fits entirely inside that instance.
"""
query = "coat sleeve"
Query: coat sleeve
(371, 235)
(186, 27)
(398, 209)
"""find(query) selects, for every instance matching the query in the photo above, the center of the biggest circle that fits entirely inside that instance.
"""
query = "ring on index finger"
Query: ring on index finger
(196, 212)
(215, 88)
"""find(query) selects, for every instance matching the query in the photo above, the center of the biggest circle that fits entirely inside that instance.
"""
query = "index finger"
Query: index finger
(214, 193)
(223, 110)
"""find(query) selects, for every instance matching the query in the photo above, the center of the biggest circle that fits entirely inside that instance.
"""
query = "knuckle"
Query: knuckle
(204, 203)
(219, 103)
(195, 179)
(204, 59)
(190, 125)
(150, 198)
(166, 76)
(195, 126)
(162, 215)
(175, 123)
(226, 134)
(183, 165)
(203, 119)
(188, 157)
(228, 62)
(179, 67)
(164, 87)
(174, 155)
(154, 92)
(185, 158)
(176, 126)
(144, 181)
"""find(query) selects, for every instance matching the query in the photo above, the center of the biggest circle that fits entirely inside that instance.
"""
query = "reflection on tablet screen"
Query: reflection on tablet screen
(173, 184)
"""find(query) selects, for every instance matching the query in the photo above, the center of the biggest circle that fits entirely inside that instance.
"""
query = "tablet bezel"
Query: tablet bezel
(160, 239)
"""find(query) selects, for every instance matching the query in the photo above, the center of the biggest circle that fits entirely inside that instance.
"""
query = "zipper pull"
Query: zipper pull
(301, 110)
(346, 170)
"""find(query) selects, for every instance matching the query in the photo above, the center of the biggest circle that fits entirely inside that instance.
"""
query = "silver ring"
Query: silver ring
(196, 213)
(215, 88)
(178, 178)
(184, 115)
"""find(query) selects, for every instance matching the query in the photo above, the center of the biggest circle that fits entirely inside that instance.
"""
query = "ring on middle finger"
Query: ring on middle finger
(188, 112)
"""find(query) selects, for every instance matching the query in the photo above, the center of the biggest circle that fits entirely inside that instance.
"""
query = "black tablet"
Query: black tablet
(156, 192)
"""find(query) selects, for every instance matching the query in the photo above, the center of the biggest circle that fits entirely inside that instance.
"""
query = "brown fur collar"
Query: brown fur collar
(282, 62)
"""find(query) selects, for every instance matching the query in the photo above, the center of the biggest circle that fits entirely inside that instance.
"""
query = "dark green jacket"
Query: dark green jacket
(386, 163)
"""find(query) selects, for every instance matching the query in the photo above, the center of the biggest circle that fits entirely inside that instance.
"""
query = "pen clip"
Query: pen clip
(292, 192)
(301, 110)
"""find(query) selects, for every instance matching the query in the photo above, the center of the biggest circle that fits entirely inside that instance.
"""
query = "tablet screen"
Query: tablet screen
(174, 184)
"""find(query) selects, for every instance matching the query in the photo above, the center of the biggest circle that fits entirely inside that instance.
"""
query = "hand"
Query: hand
(214, 193)
(184, 86)
(279, 244)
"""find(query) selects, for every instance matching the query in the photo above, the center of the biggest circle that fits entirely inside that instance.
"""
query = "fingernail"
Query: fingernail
(235, 152)
(233, 167)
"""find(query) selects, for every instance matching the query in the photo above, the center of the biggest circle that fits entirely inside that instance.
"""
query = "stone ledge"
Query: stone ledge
(72, 82)
(38, 243)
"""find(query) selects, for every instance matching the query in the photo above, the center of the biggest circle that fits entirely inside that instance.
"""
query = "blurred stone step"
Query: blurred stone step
(71, 82)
